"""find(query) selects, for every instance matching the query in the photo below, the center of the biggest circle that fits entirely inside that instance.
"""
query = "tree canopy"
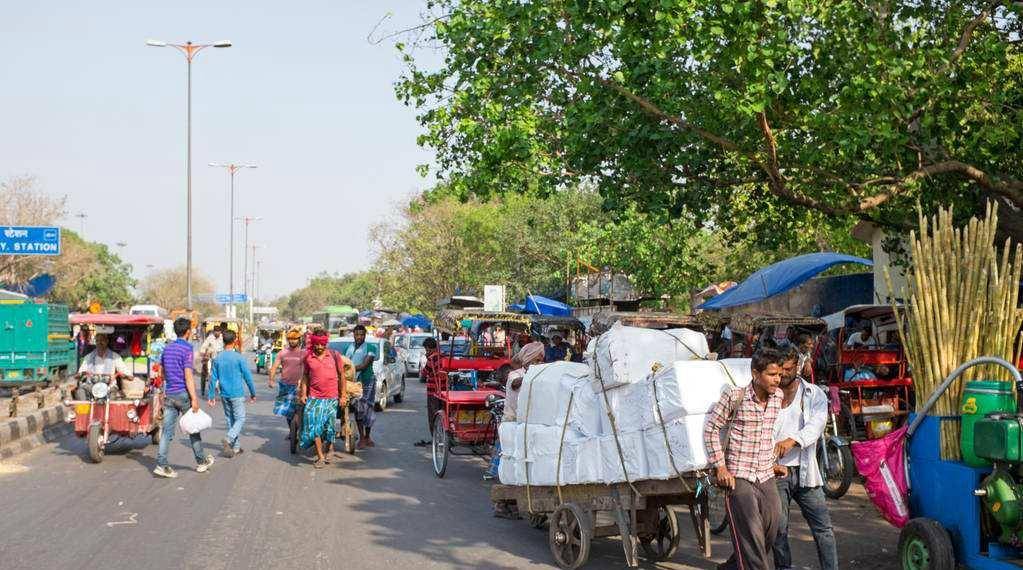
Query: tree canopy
(535, 244)
(849, 109)
(168, 288)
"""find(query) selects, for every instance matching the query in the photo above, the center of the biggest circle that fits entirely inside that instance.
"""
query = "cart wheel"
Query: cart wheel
(537, 520)
(95, 446)
(717, 511)
(569, 536)
(924, 545)
(441, 445)
(840, 469)
(663, 544)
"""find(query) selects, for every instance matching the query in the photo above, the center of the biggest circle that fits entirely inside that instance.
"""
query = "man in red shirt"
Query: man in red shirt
(321, 390)
(746, 466)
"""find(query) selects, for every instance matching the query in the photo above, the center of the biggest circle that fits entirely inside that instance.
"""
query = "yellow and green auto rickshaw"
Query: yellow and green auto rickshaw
(269, 340)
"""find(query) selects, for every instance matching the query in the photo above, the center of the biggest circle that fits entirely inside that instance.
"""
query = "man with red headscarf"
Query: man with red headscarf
(323, 386)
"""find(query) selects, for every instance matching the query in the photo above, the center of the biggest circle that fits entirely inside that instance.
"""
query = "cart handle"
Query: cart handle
(920, 414)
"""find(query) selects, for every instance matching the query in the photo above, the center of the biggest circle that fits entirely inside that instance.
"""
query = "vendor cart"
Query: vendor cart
(642, 513)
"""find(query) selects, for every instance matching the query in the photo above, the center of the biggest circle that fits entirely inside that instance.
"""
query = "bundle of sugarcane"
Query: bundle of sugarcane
(962, 303)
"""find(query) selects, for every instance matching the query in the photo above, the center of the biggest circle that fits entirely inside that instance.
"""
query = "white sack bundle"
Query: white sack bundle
(624, 355)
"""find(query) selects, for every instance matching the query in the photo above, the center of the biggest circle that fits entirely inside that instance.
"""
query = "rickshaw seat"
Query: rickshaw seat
(476, 397)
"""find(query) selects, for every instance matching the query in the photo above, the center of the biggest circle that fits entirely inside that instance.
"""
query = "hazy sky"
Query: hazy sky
(99, 117)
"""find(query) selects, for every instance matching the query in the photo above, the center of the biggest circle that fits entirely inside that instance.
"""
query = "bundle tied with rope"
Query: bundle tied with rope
(578, 427)
(962, 301)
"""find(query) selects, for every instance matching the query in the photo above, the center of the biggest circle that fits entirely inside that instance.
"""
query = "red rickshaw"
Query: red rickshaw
(874, 379)
(107, 405)
(474, 362)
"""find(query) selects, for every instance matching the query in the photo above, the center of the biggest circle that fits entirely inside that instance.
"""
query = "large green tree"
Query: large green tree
(848, 108)
(88, 272)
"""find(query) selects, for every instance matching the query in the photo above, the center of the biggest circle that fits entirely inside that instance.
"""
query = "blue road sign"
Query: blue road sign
(29, 240)
(225, 299)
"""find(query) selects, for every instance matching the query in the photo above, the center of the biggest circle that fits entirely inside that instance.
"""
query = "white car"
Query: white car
(389, 373)
(411, 353)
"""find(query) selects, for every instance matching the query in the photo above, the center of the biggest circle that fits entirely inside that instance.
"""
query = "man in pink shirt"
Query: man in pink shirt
(289, 363)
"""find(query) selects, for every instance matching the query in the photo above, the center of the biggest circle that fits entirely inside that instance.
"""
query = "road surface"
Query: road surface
(266, 508)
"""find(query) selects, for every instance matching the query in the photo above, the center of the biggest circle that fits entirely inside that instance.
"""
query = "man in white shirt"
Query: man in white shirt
(798, 432)
(863, 339)
(211, 347)
(103, 361)
(100, 362)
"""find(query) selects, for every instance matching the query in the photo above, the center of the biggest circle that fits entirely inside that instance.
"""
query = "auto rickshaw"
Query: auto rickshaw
(269, 341)
(232, 324)
(120, 405)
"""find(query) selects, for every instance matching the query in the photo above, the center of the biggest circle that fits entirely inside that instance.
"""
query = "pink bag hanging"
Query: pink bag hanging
(882, 463)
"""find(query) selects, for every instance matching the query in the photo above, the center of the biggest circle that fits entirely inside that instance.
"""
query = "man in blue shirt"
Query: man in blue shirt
(180, 396)
(362, 356)
(229, 371)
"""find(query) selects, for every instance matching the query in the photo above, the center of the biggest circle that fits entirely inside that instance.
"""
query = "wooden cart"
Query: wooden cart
(642, 512)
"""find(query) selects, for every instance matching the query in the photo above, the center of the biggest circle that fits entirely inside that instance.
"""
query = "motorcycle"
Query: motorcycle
(102, 411)
(834, 456)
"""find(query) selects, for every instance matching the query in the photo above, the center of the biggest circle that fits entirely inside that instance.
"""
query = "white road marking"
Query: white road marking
(133, 518)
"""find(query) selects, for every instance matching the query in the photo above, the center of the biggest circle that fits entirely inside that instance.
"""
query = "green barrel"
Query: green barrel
(980, 398)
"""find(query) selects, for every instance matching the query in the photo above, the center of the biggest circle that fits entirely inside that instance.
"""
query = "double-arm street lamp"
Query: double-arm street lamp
(232, 169)
(190, 50)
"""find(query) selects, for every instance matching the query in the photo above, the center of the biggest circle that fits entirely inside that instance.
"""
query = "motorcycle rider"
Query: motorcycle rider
(797, 433)
(100, 362)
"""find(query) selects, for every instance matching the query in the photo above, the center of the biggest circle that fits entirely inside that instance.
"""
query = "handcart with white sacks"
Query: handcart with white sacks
(614, 447)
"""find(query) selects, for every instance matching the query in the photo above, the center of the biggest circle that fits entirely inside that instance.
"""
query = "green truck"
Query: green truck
(35, 344)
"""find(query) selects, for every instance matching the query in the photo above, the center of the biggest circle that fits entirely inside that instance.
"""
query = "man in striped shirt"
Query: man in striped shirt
(746, 465)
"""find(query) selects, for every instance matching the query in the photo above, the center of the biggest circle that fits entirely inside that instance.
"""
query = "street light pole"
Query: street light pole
(255, 277)
(189, 49)
(231, 169)
(245, 274)
(81, 216)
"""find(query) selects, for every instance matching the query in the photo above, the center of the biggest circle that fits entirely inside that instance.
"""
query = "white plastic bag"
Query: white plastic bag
(194, 422)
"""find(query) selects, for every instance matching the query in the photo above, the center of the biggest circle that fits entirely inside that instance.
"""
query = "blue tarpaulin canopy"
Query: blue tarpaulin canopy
(542, 306)
(413, 321)
(38, 286)
(779, 278)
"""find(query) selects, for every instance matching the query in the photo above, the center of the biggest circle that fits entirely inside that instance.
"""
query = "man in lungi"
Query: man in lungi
(289, 363)
(362, 357)
(323, 385)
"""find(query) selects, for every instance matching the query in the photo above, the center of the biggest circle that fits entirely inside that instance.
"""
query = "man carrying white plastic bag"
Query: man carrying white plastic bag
(180, 398)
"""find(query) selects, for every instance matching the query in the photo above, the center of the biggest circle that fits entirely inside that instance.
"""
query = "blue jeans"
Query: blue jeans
(173, 406)
(234, 413)
(814, 506)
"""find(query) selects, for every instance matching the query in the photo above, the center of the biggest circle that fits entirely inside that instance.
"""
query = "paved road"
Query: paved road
(266, 508)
